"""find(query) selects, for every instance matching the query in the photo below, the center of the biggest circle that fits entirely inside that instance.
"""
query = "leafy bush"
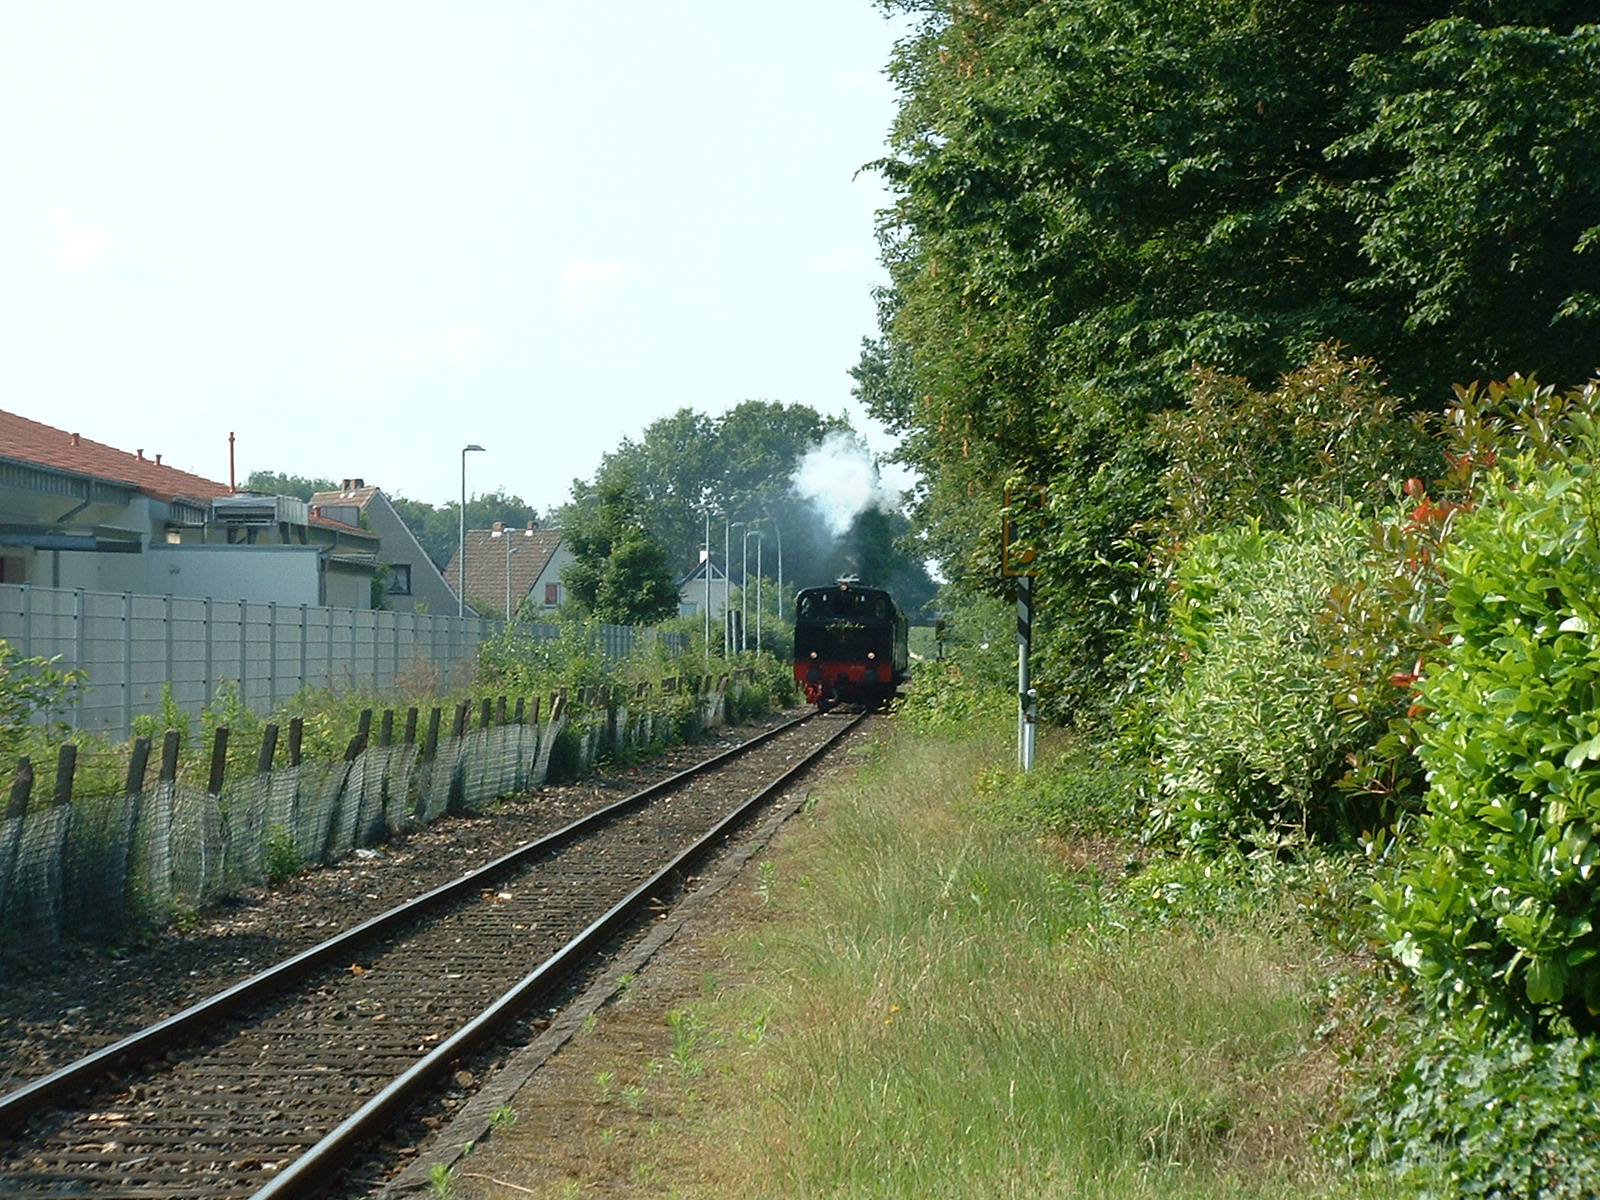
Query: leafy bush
(1250, 741)
(30, 687)
(1082, 788)
(771, 686)
(1330, 433)
(1487, 1113)
(1494, 906)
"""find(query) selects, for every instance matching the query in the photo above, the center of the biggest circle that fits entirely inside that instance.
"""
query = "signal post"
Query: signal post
(1019, 548)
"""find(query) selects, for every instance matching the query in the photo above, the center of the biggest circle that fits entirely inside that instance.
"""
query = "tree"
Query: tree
(619, 574)
(271, 483)
(1092, 198)
(689, 466)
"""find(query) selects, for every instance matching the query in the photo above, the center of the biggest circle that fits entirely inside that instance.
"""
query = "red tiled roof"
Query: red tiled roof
(46, 446)
(357, 496)
(487, 563)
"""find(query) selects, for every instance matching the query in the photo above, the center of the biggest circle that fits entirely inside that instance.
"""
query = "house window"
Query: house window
(399, 579)
(552, 595)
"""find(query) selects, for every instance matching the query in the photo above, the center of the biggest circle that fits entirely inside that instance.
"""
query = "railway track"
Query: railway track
(264, 1089)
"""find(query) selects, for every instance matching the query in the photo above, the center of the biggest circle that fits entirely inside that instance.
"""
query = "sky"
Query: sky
(360, 235)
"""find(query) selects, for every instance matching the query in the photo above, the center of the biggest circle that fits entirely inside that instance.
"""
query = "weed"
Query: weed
(767, 877)
(440, 1181)
(688, 1032)
(602, 1084)
(633, 1097)
(503, 1117)
(280, 856)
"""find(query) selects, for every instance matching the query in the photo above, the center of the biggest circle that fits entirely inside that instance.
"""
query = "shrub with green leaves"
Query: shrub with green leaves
(29, 687)
(1487, 1113)
(1250, 740)
(1495, 904)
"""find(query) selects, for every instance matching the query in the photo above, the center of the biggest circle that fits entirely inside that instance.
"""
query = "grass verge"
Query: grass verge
(920, 996)
(949, 1007)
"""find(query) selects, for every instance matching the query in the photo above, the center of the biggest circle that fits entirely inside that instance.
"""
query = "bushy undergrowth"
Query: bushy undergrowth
(1080, 785)
(1495, 907)
(1482, 1112)
(1253, 736)
(770, 685)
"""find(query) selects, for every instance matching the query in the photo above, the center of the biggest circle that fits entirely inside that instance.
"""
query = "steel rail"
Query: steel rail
(18, 1106)
(317, 1164)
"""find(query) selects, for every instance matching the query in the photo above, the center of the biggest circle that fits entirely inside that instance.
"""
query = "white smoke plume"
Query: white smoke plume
(839, 478)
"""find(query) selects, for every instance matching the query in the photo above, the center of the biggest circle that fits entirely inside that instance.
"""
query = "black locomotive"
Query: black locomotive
(849, 644)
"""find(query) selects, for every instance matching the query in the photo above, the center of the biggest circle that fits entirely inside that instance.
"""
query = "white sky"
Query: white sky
(361, 235)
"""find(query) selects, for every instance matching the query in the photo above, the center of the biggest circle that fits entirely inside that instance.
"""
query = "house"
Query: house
(513, 570)
(76, 513)
(707, 585)
(409, 579)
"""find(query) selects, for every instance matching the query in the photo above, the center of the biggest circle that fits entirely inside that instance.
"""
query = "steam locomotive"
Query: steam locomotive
(849, 644)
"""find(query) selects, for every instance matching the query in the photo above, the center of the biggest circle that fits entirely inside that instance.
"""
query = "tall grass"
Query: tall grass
(954, 1012)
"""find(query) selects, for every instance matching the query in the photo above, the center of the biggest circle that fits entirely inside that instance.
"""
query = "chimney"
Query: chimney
(357, 484)
(158, 460)
(344, 485)
(140, 453)
(499, 528)
(75, 439)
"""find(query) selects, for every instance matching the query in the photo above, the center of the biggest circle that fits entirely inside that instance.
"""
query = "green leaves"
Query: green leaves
(1513, 753)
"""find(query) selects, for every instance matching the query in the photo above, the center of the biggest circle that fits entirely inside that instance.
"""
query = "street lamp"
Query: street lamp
(461, 548)
(706, 579)
(777, 531)
(727, 582)
(744, 584)
(761, 542)
(505, 533)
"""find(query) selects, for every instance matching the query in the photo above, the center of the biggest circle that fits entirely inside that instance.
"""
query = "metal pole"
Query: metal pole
(461, 548)
(706, 578)
(1027, 698)
(744, 588)
(760, 543)
(727, 582)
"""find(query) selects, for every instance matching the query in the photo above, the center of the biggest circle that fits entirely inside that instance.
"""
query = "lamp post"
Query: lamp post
(706, 579)
(461, 548)
(761, 542)
(503, 532)
(727, 582)
(744, 584)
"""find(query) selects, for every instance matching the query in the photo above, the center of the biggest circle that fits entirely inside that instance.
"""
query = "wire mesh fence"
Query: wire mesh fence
(95, 864)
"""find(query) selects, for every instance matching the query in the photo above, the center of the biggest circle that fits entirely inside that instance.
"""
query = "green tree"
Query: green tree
(688, 466)
(1093, 198)
(619, 574)
(738, 468)
(271, 483)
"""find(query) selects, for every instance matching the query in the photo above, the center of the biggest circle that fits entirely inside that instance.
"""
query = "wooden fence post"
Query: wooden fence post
(21, 788)
(219, 761)
(170, 745)
(269, 749)
(138, 764)
(66, 768)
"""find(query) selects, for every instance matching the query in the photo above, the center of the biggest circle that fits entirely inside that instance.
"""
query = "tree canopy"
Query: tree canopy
(1093, 198)
(736, 471)
(619, 573)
